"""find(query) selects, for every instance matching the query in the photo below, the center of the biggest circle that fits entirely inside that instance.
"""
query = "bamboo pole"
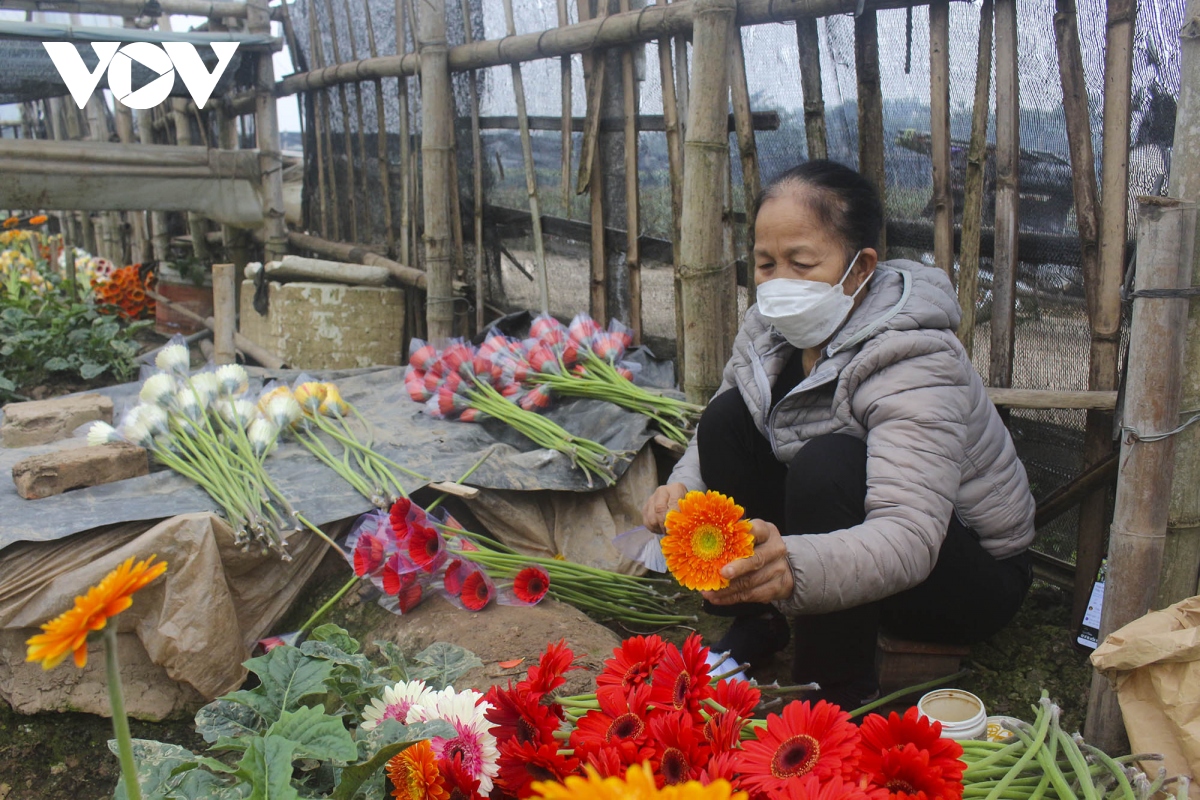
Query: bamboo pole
(233, 239)
(407, 242)
(682, 81)
(1181, 573)
(808, 44)
(535, 212)
(402, 273)
(158, 220)
(1008, 156)
(972, 219)
(1097, 442)
(123, 119)
(348, 146)
(381, 146)
(197, 225)
(331, 225)
(1166, 237)
(224, 289)
(870, 111)
(633, 219)
(437, 148)
(939, 136)
(739, 91)
(589, 171)
(477, 175)
(709, 284)
(675, 170)
(564, 67)
(358, 103)
(266, 133)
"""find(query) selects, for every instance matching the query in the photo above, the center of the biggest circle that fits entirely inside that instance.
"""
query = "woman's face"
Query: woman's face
(791, 242)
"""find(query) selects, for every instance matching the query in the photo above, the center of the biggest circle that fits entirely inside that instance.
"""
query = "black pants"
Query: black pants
(968, 597)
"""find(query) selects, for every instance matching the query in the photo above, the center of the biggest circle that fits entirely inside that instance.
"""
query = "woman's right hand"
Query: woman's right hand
(664, 499)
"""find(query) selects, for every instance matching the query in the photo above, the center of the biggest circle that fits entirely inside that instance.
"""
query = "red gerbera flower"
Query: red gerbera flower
(423, 356)
(523, 763)
(810, 787)
(477, 590)
(395, 571)
(404, 586)
(608, 761)
(426, 547)
(368, 554)
(456, 572)
(531, 584)
(622, 722)
(680, 751)
(398, 516)
(548, 674)
(723, 731)
(817, 739)
(457, 779)
(518, 714)
(737, 697)
(721, 767)
(681, 681)
(906, 757)
(632, 663)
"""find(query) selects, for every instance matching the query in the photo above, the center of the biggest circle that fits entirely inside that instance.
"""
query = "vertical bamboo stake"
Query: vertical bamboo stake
(197, 225)
(682, 82)
(1181, 565)
(158, 219)
(535, 212)
(358, 104)
(870, 110)
(477, 176)
(709, 285)
(1008, 159)
(809, 46)
(972, 220)
(675, 166)
(351, 187)
(407, 242)
(633, 220)
(939, 126)
(743, 122)
(589, 171)
(1093, 510)
(564, 66)
(323, 119)
(1166, 236)
(224, 289)
(437, 148)
(381, 146)
(266, 135)
(123, 118)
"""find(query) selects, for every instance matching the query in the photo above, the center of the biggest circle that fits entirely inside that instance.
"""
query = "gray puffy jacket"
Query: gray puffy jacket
(896, 377)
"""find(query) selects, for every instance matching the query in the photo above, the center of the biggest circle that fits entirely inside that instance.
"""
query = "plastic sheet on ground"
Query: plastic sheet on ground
(440, 449)
(184, 639)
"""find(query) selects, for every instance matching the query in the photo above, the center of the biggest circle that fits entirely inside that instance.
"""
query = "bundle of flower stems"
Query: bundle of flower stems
(324, 410)
(1042, 761)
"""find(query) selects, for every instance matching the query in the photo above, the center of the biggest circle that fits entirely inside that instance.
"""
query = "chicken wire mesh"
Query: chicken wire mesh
(1051, 349)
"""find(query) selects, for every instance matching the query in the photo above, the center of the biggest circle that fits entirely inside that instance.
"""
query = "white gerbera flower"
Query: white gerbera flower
(158, 389)
(233, 379)
(262, 433)
(397, 701)
(102, 433)
(135, 431)
(207, 386)
(189, 404)
(473, 740)
(174, 359)
(154, 418)
(236, 412)
(283, 410)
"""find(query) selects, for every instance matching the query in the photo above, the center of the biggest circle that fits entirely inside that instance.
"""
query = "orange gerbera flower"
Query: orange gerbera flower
(68, 632)
(638, 784)
(414, 774)
(705, 534)
(40, 219)
(11, 222)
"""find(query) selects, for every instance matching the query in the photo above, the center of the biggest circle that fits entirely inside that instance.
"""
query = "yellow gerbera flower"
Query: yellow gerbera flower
(705, 534)
(414, 774)
(638, 784)
(68, 632)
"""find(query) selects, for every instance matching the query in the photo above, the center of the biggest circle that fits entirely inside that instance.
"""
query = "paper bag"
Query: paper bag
(1154, 664)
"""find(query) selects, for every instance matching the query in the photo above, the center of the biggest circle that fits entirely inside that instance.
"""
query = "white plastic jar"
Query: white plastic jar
(961, 713)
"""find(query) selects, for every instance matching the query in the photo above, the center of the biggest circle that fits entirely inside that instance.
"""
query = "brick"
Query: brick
(44, 421)
(55, 473)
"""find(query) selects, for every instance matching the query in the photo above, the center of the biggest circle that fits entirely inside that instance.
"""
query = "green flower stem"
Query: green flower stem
(318, 449)
(116, 699)
(353, 443)
(317, 531)
(896, 695)
(323, 610)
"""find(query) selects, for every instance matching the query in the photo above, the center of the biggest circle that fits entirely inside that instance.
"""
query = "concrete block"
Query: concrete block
(55, 473)
(327, 325)
(43, 421)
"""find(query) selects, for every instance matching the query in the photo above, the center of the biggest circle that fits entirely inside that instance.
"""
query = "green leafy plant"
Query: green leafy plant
(51, 334)
(296, 734)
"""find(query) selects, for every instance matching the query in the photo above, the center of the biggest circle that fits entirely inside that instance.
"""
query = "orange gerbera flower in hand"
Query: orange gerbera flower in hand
(68, 632)
(414, 774)
(705, 534)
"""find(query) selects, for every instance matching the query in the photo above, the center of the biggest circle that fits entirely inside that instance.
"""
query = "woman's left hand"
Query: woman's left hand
(761, 578)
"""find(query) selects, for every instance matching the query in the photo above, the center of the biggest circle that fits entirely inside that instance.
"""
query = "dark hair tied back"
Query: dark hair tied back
(840, 197)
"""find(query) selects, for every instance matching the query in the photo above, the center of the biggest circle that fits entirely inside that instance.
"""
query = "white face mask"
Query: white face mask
(807, 312)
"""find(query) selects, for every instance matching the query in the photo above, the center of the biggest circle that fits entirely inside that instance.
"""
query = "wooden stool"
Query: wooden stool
(901, 663)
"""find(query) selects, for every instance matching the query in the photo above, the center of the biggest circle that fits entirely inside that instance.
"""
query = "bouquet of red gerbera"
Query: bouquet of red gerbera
(656, 704)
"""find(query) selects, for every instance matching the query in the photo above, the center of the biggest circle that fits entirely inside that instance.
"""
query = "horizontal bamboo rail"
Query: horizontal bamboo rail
(1052, 399)
(613, 30)
(132, 8)
(357, 255)
(82, 155)
(651, 123)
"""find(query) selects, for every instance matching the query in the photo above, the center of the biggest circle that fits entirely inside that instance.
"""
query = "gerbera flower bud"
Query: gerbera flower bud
(174, 359)
(233, 379)
(262, 434)
(158, 389)
(102, 433)
(333, 405)
(284, 411)
(207, 385)
(310, 395)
